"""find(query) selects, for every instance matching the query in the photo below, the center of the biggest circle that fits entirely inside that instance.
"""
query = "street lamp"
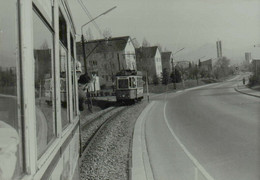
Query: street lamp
(82, 36)
(173, 67)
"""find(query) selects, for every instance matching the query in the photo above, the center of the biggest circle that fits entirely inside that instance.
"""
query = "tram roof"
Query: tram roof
(129, 73)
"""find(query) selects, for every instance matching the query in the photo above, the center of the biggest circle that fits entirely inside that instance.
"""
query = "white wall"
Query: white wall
(130, 59)
(158, 63)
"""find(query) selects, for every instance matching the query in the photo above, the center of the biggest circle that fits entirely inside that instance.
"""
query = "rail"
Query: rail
(91, 130)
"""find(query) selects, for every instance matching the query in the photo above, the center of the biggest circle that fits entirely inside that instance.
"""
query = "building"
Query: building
(248, 57)
(256, 67)
(167, 61)
(182, 64)
(219, 49)
(206, 65)
(148, 60)
(105, 57)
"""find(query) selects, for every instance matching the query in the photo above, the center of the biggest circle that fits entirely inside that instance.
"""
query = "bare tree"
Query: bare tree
(135, 43)
(45, 45)
(159, 46)
(107, 33)
(89, 35)
(145, 43)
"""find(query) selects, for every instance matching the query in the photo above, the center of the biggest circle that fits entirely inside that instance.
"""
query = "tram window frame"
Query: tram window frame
(74, 79)
(67, 87)
(64, 44)
(55, 137)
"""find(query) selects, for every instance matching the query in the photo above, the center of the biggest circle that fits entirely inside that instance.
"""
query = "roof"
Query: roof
(129, 72)
(209, 61)
(166, 55)
(104, 45)
(146, 52)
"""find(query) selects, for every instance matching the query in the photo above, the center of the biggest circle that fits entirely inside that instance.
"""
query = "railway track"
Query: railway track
(90, 129)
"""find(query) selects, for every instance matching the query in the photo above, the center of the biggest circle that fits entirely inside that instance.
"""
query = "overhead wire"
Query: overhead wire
(90, 17)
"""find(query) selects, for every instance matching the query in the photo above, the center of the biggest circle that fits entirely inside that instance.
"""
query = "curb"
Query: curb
(246, 93)
(141, 168)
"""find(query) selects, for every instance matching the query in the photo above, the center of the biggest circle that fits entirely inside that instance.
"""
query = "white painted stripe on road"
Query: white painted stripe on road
(193, 159)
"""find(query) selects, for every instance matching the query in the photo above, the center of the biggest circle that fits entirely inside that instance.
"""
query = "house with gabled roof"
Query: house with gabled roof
(148, 60)
(106, 57)
(167, 61)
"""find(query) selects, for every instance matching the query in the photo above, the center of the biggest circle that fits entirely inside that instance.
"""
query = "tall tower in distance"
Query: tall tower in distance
(219, 49)
(248, 57)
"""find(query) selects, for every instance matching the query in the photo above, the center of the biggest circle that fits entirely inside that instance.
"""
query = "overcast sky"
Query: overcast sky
(178, 23)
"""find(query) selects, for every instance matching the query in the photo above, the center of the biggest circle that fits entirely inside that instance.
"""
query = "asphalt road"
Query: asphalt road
(208, 133)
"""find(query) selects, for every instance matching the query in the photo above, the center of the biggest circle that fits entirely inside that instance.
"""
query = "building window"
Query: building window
(11, 142)
(44, 84)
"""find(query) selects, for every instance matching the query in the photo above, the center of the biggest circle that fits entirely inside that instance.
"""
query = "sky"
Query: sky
(174, 24)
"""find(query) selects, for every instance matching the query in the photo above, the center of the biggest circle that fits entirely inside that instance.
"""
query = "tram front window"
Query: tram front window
(122, 83)
(44, 87)
(11, 142)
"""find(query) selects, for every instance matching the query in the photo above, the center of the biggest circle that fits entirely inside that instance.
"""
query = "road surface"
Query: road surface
(206, 133)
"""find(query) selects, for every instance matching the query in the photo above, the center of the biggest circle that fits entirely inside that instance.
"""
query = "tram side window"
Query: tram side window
(44, 87)
(64, 89)
(11, 142)
(64, 95)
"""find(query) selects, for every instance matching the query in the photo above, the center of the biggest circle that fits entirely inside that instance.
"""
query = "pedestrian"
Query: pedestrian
(82, 97)
(82, 82)
(244, 80)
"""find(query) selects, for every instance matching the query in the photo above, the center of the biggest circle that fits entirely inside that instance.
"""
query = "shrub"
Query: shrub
(155, 80)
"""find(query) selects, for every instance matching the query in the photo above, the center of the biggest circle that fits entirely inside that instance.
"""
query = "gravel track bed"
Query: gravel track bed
(90, 117)
(109, 154)
(91, 127)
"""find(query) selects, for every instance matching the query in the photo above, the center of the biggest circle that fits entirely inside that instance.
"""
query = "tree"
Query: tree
(165, 77)
(222, 68)
(135, 43)
(176, 76)
(199, 63)
(45, 45)
(159, 46)
(89, 35)
(145, 43)
(107, 33)
(155, 80)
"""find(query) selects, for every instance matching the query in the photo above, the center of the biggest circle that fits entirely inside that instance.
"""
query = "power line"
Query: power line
(90, 17)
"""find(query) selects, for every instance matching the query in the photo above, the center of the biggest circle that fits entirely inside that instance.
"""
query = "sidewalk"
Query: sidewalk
(140, 168)
(245, 90)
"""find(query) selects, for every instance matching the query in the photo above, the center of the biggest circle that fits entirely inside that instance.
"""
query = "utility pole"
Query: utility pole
(84, 53)
(118, 59)
(82, 36)
(173, 68)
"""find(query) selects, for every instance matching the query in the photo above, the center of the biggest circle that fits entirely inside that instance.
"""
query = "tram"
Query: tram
(39, 135)
(129, 86)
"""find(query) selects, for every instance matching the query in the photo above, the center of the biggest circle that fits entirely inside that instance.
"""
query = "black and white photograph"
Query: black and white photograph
(129, 90)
